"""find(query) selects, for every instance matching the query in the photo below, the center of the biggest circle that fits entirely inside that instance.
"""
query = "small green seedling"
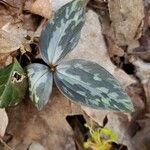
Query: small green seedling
(99, 139)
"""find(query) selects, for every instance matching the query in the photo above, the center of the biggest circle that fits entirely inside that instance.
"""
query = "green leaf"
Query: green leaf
(99, 139)
(89, 84)
(62, 33)
(13, 84)
(111, 137)
(40, 84)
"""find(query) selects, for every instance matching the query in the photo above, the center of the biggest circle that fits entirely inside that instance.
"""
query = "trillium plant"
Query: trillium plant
(81, 81)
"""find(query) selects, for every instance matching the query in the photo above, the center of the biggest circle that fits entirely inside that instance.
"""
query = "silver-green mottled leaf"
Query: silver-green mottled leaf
(40, 84)
(13, 84)
(62, 33)
(89, 84)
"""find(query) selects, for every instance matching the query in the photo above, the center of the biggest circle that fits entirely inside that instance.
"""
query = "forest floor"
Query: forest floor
(116, 35)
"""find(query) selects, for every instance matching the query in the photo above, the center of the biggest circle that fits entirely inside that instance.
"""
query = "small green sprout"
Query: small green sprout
(99, 139)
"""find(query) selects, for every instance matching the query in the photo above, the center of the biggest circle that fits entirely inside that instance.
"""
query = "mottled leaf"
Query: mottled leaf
(13, 84)
(89, 84)
(62, 33)
(40, 84)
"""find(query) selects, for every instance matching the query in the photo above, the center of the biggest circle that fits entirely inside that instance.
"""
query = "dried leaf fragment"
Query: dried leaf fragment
(113, 49)
(42, 8)
(127, 17)
(3, 122)
(8, 42)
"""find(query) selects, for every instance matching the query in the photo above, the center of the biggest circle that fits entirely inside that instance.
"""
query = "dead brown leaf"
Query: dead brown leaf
(15, 29)
(127, 20)
(9, 42)
(3, 122)
(113, 49)
(143, 50)
(141, 139)
(136, 93)
(5, 59)
(5, 16)
(12, 37)
(42, 8)
(142, 69)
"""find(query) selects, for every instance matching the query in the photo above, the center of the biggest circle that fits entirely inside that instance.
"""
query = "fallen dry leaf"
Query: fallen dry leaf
(136, 93)
(114, 49)
(127, 20)
(12, 38)
(142, 69)
(141, 139)
(124, 78)
(3, 122)
(42, 8)
(5, 16)
(143, 73)
(8, 42)
(143, 50)
(16, 30)
(5, 59)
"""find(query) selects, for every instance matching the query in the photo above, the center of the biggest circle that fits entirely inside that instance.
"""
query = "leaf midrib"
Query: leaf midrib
(39, 79)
